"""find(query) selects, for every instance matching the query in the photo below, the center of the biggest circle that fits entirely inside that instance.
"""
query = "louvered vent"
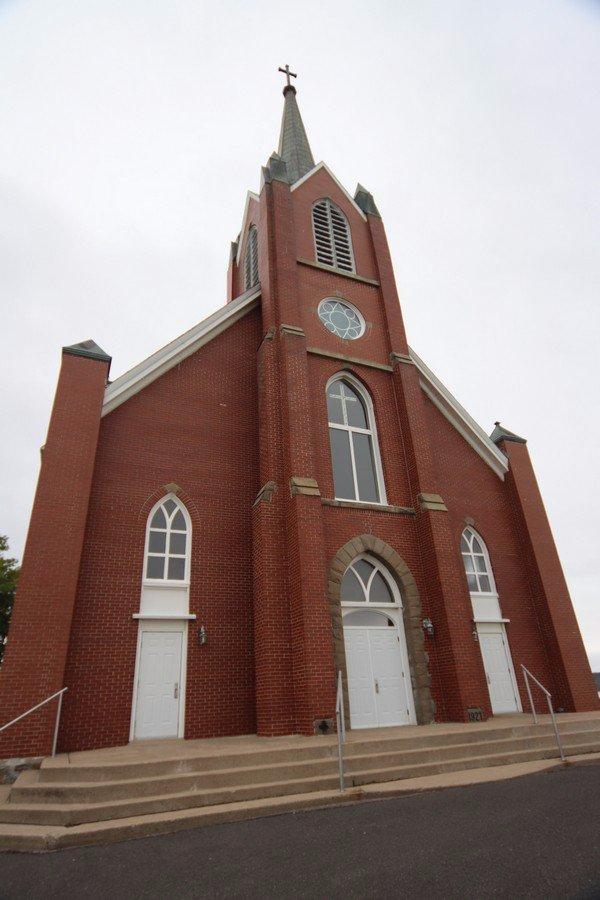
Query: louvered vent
(251, 261)
(332, 236)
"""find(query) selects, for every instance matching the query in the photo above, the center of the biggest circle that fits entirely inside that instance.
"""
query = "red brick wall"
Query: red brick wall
(34, 665)
(198, 429)
(471, 489)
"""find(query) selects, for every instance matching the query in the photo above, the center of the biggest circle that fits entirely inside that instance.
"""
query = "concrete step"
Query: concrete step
(63, 768)
(30, 788)
(30, 837)
(70, 814)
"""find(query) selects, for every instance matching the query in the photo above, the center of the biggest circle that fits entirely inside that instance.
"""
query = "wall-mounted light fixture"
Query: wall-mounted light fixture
(201, 635)
(428, 627)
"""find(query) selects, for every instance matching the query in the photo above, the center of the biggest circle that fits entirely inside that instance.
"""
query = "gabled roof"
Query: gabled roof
(317, 168)
(167, 357)
(457, 415)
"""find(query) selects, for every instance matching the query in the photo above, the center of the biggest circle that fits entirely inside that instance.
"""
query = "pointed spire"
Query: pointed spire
(500, 433)
(294, 148)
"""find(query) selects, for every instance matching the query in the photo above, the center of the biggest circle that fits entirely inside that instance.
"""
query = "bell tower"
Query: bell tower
(299, 524)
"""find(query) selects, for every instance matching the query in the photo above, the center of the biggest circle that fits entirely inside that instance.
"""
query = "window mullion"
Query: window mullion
(353, 461)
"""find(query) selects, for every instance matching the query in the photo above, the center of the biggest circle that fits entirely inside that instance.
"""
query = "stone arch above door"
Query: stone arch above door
(412, 615)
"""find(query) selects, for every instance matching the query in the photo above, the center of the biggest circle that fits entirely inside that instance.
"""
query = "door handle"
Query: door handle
(175, 691)
(376, 686)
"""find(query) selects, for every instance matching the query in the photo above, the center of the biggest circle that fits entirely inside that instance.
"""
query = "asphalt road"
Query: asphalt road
(537, 836)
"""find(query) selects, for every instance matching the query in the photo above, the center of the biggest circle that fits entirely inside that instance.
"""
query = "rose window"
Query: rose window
(341, 318)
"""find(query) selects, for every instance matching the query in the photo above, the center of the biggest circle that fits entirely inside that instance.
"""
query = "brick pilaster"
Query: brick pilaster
(287, 459)
(34, 664)
(459, 662)
(574, 687)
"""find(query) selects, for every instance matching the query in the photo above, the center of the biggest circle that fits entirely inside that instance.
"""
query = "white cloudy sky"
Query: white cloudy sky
(131, 130)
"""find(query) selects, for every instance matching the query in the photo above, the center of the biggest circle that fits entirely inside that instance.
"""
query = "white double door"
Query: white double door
(379, 686)
(499, 672)
(158, 699)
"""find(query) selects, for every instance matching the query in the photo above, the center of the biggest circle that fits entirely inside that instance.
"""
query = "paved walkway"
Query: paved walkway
(180, 748)
(537, 836)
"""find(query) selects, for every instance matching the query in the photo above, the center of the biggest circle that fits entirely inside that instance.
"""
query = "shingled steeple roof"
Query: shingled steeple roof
(294, 148)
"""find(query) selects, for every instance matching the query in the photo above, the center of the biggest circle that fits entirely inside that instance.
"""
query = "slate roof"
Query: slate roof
(294, 148)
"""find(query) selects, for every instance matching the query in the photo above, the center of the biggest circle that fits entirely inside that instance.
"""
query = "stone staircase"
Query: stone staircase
(134, 791)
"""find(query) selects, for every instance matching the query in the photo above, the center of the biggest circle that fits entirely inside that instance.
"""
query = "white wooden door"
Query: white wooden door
(377, 683)
(498, 669)
(159, 685)
(361, 686)
(390, 681)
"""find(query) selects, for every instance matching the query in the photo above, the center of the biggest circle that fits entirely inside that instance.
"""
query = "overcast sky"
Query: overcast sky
(131, 130)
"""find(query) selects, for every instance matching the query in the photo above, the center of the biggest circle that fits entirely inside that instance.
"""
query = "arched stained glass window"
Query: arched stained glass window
(366, 581)
(477, 564)
(168, 541)
(333, 243)
(251, 260)
(353, 441)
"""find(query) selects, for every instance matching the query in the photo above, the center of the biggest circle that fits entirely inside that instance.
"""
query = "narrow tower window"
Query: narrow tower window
(354, 450)
(477, 564)
(251, 261)
(332, 236)
(168, 541)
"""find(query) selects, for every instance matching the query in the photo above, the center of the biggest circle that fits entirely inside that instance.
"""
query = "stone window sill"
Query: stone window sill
(376, 507)
(334, 271)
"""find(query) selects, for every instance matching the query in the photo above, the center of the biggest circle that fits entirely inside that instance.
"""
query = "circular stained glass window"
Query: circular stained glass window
(340, 318)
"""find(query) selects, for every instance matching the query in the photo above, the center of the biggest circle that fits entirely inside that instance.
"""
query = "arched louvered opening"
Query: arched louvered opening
(251, 261)
(332, 236)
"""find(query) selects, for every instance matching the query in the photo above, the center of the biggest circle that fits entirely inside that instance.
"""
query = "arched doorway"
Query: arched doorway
(377, 664)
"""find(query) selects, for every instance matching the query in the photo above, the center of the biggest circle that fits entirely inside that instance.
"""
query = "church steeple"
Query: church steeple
(294, 148)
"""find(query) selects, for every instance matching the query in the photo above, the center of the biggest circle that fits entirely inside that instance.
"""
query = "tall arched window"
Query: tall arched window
(354, 451)
(333, 243)
(168, 539)
(477, 564)
(251, 261)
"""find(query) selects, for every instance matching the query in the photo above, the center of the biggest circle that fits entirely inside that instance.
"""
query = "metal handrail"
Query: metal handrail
(58, 694)
(341, 728)
(528, 675)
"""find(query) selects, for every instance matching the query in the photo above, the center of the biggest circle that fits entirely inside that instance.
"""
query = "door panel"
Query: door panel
(390, 682)
(496, 661)
(159, 685)
(361, 687)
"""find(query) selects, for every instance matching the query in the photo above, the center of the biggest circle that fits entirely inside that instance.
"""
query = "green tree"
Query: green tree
(9, 572)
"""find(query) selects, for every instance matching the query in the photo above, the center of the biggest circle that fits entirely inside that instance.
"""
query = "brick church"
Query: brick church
(283, 492)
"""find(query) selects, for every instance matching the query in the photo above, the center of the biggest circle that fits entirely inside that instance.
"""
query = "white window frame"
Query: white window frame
(366, 604)
(357, 386)
(168, 582)
(344, 302)
(329, 205)
(489, 572)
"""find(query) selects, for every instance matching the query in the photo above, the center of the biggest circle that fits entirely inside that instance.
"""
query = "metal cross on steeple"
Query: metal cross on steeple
(287, 73)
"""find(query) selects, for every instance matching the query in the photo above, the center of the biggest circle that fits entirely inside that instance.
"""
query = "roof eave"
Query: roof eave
(133, 381)
(457, 415)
